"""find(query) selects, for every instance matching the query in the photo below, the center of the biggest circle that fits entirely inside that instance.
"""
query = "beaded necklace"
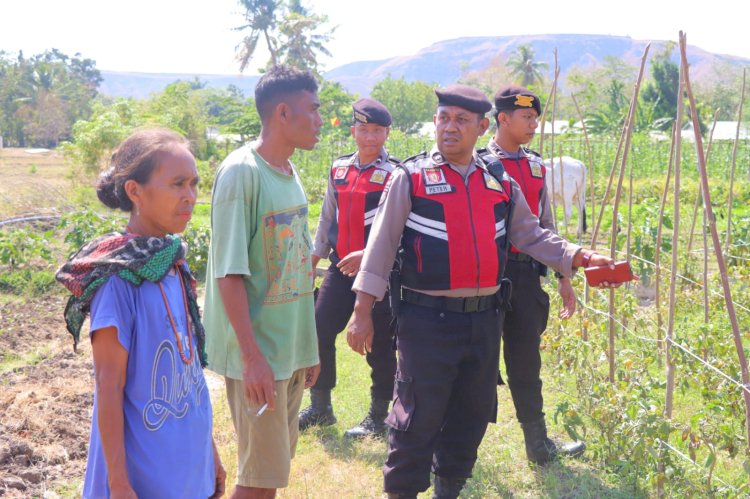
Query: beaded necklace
(172, 322)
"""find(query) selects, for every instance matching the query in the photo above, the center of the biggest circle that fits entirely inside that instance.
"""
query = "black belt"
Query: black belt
(524, 258)
(520, 257)
(449, 304)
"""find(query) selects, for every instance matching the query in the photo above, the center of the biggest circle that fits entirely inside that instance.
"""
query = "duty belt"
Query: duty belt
(524, 258)
(449, 304)
(520, 257)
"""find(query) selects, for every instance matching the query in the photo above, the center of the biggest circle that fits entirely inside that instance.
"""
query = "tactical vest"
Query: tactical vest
(528, 171)
(456, 233)
(357, 194)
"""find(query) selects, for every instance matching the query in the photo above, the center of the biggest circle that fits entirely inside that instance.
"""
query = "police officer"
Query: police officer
(516, 113)
(452, 214)
(355, 184)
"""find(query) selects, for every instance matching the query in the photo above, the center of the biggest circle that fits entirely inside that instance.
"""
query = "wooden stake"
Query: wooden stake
(628, 132)
(595, 233)
(734, 163)
(675, 243)
(699, 196)
(717, 246)
(657, 253)
(591, 158)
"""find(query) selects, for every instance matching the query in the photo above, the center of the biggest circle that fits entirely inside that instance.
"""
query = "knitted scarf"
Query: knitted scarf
(133, 258)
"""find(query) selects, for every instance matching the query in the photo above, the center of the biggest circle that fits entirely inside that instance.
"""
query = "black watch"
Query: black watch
(558, 275)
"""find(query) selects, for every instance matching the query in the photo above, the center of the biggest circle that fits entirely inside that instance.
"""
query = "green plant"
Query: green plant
(84, 225)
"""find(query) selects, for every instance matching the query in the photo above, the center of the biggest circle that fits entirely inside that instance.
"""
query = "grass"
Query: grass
(327, 465)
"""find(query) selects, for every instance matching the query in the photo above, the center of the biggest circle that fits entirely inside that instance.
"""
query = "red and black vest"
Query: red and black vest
(456, 234)
(357, 194)
(528, 171)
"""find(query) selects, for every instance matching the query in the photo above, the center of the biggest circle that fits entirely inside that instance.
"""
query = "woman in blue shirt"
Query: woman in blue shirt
(151, 433)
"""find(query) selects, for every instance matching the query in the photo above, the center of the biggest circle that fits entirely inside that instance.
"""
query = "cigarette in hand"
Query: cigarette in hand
(262, 409)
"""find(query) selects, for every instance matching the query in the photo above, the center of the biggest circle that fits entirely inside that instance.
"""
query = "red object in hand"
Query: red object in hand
(621, 273)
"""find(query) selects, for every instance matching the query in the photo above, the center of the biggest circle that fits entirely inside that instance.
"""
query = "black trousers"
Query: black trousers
(522, 335)
(333, 309)
(445, 394)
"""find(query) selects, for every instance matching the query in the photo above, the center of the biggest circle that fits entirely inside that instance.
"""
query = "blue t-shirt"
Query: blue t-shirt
(167, 408)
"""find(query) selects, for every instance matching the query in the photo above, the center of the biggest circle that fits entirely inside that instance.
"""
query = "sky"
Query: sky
(197, 36)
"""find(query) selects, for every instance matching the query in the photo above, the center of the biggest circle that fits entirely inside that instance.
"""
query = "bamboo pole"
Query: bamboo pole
(590, 155)
(717, 247)
(628, 131)
(552, 91)
(734, 164)
(605, 198)
(670, 367)
(562, 190)
(586, 291)
(699, 196)
(657, 254)
(553, 99)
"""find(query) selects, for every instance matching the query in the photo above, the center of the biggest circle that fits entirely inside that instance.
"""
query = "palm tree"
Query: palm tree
(523, 67)
(261, 19)
(301, 42)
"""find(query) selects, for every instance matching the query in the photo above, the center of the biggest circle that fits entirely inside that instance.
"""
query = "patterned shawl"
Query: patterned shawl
(133, 258)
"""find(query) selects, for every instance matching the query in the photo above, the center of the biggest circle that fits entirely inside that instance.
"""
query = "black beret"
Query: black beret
(463, 96)
(371, 111)
(517, 97)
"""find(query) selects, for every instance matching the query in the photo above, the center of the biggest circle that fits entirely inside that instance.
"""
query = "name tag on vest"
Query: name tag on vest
(438, 189)
(536, 170)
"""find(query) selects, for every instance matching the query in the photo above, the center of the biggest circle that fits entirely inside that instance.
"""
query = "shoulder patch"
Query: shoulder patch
(531, 152)
(344, 160)
(378, 176)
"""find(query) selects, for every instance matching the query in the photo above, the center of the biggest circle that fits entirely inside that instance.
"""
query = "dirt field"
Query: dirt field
(45, 400)
(46, 194)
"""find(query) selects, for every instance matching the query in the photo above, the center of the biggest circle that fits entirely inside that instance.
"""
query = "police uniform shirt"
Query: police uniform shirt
(545, 206)
(322, 246)
(385, 235)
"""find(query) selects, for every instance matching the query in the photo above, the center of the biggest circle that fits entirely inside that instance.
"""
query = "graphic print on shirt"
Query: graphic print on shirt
(172, 382)
(287, 247)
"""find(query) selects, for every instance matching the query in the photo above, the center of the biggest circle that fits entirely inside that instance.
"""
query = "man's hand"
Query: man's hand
(349, 265)
(360, 333)
(259, 381)
(589, 258)
(568, 295)
(311, 375)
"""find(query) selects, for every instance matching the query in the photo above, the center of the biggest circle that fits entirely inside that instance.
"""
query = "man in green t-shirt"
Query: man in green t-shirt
(259, 314)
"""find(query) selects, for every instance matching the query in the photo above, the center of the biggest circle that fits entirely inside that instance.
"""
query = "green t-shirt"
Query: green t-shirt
(259, 230)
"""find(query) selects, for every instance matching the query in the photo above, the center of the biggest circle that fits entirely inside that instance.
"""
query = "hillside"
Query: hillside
(444, 62)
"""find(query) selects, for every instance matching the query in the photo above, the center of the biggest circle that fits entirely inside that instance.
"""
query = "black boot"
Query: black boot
(397, 495)
(320, 412)
(447, 488)
(373, 425)
(541, 450)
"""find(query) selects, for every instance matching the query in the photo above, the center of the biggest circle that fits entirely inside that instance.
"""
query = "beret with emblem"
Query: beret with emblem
(371, 111)
(463, 96)
(517, 97)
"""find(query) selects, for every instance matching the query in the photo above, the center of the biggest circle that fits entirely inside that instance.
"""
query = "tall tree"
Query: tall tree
(524, 68)
(661, 91)
(293, 34)
(261, 18)
(302, 39)
(410, 103)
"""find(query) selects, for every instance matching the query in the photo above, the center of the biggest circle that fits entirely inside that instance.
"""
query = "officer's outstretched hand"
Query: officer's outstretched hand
(588, 258)
(361, 330)
(568, 295)
(349, 265)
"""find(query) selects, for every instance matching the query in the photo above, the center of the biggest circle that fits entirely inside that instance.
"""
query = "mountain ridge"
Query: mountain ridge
(444, 62)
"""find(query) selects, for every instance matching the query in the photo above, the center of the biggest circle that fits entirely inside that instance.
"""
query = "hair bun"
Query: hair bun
(106, 189)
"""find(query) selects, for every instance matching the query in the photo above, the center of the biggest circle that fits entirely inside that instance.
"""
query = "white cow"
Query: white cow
(567, 186)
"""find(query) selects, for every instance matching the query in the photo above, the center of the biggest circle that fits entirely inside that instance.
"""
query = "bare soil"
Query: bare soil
(46, 395)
